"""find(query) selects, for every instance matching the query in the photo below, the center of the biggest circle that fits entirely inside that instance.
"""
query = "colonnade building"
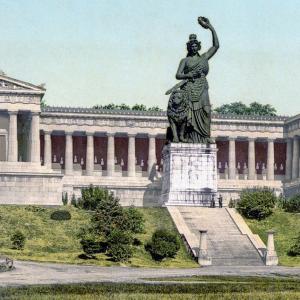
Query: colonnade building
(45, 152)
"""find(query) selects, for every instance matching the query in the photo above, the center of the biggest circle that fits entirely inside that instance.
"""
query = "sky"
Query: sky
(98, 52)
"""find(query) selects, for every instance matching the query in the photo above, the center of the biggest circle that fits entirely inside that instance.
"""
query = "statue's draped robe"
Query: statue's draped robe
(199, 117)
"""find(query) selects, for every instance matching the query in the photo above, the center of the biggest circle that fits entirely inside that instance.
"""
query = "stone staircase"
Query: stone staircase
(226, 244)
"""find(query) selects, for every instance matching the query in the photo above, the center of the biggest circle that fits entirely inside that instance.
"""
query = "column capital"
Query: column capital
(271, 139)
(68, 132)
(110, 134)
(152, 135)
(88, 133)
(251, 139)
(12, 112)
(47, 132)
(131, 135)
(232, 138)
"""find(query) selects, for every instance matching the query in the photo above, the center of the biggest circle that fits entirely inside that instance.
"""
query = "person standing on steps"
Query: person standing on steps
(220, 201)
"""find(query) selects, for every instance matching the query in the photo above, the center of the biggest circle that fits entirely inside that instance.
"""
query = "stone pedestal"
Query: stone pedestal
(189, 175)
(271, 255)
(203, 257)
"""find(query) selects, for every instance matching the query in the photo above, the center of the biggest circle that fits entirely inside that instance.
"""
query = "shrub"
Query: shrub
(295, 248)
(91, 247)
(292, 204)
(64, 198)
(60, 215)
(133, 220)
(120, 252)
(163, 244)
(232, 203)
(18, 240)
(118, 236)
(108, 215)
(256, 203)
(119, 245)
(92, 196)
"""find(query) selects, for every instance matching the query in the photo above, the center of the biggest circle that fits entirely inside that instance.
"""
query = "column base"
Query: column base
(204, 259)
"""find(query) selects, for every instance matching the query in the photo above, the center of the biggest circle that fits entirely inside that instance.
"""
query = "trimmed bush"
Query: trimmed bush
(60, 215)
(18, 240)
(292, 204)
(163, 244)
(120, 252)
(295, 248)
(257, 203)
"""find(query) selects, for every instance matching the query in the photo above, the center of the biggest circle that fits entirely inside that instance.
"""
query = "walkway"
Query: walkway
(27, 273)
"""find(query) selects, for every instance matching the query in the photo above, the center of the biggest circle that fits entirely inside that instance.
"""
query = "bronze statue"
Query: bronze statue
(193, 125)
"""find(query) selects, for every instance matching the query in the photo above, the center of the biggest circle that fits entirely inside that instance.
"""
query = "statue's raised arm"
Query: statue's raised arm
(204, 22)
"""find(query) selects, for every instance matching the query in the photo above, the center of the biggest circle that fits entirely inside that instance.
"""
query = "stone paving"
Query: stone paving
(29, 273)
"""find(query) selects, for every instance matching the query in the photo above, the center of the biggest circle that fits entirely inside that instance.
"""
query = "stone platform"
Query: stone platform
(29, 183)
(189, 175)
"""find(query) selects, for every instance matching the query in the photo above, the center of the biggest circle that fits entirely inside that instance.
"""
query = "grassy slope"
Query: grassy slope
(55, 241)
(287, 227)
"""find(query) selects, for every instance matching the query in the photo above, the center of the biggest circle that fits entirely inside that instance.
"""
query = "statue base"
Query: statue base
(189, 174)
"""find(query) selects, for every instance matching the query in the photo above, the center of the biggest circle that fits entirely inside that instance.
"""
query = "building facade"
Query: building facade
(54, 150)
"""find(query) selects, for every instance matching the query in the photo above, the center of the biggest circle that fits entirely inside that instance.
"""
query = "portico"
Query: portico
(122, 150)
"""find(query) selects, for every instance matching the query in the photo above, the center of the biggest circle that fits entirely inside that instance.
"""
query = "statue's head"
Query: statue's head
(193, 45)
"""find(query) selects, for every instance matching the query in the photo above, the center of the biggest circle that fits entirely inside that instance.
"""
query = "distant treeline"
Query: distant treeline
(123, 106)
(239, 108)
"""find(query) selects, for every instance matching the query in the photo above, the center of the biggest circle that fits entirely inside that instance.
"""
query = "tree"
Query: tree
(112, 227)
(43, 103)
(239, 108)
(140, 107)
(123, 106)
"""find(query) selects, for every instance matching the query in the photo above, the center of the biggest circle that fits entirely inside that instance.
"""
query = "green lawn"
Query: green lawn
(238, 288)
(287, 227)
(56, 241)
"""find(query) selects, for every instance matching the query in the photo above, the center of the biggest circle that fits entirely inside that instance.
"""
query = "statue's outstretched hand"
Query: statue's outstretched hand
(204, 22)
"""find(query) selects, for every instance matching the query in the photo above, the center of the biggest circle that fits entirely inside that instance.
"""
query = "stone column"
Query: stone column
(251, 159)
(69, 154)
(110, 154)
(271, 255)
(203, 258)
(270, 160)
(47, 149)
(35, 155)
(295, 160)
(90, 154)
(131, 156)
(151, 153)
(288, 162)
(232, 166)
(13, 136)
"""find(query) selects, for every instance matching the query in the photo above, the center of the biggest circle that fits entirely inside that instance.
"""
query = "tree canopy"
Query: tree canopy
(123, 106)
(254, 108)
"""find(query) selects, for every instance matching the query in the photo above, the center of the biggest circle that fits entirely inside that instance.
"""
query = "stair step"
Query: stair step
(227, 246)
